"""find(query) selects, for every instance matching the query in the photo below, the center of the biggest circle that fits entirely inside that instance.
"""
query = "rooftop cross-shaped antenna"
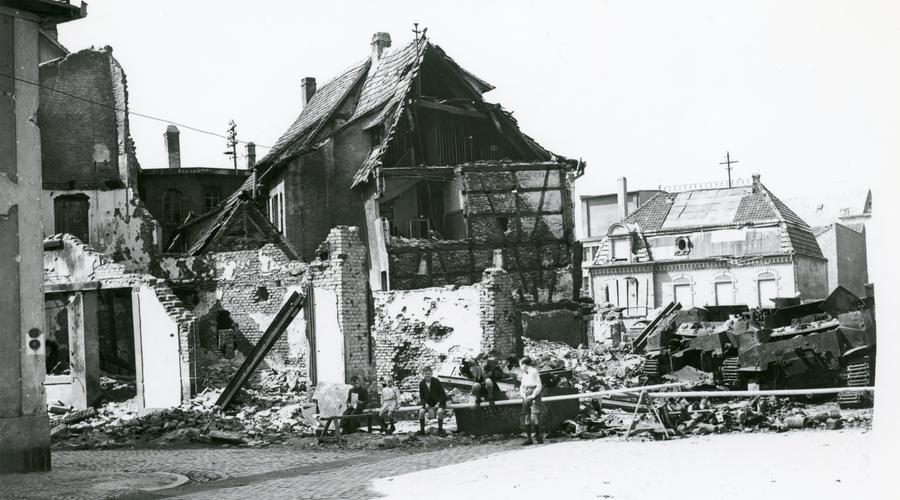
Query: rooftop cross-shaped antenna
(728, 161)
(419, 34)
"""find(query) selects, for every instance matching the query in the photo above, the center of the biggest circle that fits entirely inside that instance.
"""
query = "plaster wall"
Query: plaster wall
(118, 225)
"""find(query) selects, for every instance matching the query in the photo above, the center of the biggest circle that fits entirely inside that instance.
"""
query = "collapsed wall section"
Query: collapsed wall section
(439, 326)
(235, 296)
(523, 211)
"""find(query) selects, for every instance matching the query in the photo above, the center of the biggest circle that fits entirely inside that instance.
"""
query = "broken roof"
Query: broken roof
(382, 94)
(722, 208)
(238, 215)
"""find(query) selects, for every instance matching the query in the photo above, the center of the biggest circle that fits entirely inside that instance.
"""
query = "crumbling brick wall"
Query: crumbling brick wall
(437, 327)
(499, 314)
(87, 150)
(251, 286)
(340, 266)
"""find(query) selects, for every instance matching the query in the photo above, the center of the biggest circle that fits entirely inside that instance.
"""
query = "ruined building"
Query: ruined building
(25, 27)
(177, 193)
(722, 246)
(404, 146)
(90, 172)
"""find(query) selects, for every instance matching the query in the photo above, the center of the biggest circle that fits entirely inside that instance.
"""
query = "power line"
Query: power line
(130, 112)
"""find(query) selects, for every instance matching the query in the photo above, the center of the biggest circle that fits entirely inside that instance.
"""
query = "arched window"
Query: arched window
(724, 288)
(70, 214)
(172, 213)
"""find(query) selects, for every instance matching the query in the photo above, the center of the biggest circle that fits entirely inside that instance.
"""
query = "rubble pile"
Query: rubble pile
(595, 369)
(682, 417)
(271, 410)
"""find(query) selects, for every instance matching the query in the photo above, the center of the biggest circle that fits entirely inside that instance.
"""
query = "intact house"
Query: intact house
(175, 194)
(724, 246)
(599, 212)
(443, 183)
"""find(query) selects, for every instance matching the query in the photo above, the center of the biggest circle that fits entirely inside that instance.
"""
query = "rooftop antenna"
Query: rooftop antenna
(419, 34)
(231, 142)
(728, 162)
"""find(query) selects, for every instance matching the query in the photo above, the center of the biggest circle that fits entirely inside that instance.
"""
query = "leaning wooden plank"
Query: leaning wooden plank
(642, 338)
(288, 311)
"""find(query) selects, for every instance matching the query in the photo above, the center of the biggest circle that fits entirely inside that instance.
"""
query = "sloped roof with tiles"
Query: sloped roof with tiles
(382, 93)
(708, 209)
(323, 102)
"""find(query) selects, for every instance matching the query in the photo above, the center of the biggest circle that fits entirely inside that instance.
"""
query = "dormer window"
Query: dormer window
(620, 243)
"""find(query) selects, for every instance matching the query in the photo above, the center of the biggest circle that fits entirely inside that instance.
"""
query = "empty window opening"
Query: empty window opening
(57, 339)
(70, 213)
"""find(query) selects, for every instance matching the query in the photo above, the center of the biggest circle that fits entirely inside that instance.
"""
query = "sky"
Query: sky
(805, 93)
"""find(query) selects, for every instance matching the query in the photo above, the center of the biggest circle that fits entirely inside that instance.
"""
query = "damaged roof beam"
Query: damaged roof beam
(446, 108)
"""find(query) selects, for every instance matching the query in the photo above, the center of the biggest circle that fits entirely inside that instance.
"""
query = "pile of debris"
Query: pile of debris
(681, 417)
(263, 414)
(595, 369)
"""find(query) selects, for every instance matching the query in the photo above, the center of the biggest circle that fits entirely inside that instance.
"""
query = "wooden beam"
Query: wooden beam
(445, 108)
(515, 214)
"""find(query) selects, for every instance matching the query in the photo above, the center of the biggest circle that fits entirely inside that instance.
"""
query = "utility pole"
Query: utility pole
(728, 161)
(231, 143)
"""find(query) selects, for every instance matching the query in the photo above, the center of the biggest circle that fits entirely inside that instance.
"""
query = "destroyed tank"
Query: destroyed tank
(826, 343)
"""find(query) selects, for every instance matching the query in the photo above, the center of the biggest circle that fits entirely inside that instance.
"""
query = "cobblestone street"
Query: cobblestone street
(606, 468)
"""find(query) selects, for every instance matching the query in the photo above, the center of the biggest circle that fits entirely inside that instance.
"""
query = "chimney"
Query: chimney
(755, 183)
(173, 146)
(251, 155)
(380, 41)
(307, 89)
(623, 198)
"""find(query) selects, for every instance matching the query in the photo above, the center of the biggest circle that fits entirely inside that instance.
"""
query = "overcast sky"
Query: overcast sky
(807, 93)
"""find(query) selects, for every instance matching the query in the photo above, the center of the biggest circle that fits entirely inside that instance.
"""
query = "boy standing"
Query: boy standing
(390, 401)
(432, 397)
(530, 390)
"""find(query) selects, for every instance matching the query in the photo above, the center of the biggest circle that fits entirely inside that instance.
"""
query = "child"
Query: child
(390, 401)
(530, 390)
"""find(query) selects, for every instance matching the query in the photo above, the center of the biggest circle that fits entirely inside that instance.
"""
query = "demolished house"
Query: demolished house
(447, 191)
(721, 246)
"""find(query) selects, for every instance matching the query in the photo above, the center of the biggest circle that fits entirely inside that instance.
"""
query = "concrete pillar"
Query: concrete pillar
(24, 432)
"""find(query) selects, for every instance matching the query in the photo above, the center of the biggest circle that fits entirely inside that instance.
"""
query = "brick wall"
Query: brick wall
(499, 314)
(437, 327)
(340, 266)
(251, 286)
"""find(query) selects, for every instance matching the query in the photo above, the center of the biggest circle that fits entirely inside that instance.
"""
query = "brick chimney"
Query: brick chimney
(173, 146)
(623, 198)
(755, 183)
(251, 155)
(307, 89)
(380, 41)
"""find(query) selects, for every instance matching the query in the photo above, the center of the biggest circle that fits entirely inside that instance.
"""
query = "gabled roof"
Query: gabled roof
(382, 95)
(237, 224)
(722, 208)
